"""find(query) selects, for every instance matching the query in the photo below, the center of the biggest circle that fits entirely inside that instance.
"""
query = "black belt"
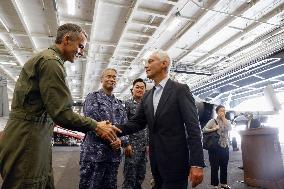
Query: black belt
(44, 118)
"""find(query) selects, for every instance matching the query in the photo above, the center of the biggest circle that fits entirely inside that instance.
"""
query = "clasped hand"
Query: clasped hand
(107, 131)
(116, 144)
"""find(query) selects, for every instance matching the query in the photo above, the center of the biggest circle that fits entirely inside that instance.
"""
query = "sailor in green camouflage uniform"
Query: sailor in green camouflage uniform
(42, 97)
(135, 153)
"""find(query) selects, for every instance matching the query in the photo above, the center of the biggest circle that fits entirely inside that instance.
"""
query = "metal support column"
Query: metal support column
(4, 103)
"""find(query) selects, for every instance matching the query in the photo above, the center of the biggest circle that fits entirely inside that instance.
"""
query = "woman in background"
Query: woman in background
(219, 154)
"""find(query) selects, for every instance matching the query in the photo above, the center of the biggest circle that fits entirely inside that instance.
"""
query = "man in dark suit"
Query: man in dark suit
(169, 109)
(252, 123)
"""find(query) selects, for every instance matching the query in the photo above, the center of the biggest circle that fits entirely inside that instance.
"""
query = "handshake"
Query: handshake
(107, 131)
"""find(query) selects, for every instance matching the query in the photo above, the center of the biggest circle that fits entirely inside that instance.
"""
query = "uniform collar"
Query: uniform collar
(58, 52)
(102, 92)
(133, 100)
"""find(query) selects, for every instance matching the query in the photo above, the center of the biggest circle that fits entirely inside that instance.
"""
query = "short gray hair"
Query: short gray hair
(107, 69)
(72, 29)
(163, 56)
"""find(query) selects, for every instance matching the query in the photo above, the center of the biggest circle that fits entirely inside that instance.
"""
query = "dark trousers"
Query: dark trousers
(218, 158)
(161, 183)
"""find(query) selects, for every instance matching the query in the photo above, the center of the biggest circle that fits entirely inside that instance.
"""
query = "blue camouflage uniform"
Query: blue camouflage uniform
(135, 166)
(98, 161)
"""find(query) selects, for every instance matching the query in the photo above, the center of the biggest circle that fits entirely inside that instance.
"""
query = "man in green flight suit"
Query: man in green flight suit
(42, 97)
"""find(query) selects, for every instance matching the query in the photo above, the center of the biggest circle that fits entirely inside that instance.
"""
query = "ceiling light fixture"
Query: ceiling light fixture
(175, 22)
(71, 5)
(9, 63)
(5, 26)
(19, 9)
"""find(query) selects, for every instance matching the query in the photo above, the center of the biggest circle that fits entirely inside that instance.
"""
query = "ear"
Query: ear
(66, 39)
(165, 64)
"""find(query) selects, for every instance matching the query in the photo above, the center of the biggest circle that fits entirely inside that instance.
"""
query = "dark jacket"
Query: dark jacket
(254, 123)
(174, 131)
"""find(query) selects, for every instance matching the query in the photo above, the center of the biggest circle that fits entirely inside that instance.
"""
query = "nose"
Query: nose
(81, 52)
(112, 79)
(146, 66)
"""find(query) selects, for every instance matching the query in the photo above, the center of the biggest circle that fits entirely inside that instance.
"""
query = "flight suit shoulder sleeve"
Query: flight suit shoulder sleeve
(51, 55)
(57, 98)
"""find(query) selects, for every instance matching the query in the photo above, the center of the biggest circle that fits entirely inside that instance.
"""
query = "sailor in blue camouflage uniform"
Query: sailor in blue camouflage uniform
(99, 160)
(136, 152)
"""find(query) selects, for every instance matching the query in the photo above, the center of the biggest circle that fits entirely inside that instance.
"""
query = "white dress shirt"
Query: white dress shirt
(159, 88)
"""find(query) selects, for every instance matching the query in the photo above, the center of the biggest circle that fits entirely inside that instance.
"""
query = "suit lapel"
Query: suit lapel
(163, 99)
(150, 103)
